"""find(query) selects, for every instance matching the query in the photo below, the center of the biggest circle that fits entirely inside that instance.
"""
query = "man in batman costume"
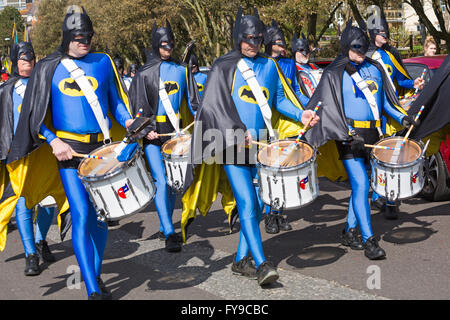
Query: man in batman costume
(227, 108)
(347, 118)
(200, 77)
(400, 79)
(275, 46)
(302, 52)
(11, 93)
(184, 99)
(50, 102)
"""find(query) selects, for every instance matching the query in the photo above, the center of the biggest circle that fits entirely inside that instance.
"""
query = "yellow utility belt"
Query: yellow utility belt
(164, 118)
(85, 138)
(369, 124)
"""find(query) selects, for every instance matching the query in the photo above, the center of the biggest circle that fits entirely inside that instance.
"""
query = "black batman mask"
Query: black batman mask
(118, 61)
(24, 49)
(249, 29)
(378, 26)
(300, 45)
(133, 68)
(160, 35)
(273, 36)
(193, 60)
(76, 23)
(354, 38)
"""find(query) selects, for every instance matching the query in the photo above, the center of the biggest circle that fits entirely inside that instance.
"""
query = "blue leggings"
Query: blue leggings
(165, 198)
(358, 207)
(250, 208)
(24, 220)
(88, 235)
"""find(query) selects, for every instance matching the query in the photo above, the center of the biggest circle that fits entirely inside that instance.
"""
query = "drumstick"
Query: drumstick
(396, 152)
(188, 126)
(80, 155)
(167, 134)
(379, 147)
(260, 144)
(291, 154)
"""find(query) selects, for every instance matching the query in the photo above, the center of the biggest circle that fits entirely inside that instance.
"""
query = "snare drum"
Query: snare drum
(401, 179)
(287, 187)
(176, 153)
(117, 189)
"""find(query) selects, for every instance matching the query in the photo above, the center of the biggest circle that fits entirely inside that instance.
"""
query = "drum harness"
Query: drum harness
(362, 85)
(250, 77)
(168, 106)
(20, 88)
(376, 56)
(79, 76)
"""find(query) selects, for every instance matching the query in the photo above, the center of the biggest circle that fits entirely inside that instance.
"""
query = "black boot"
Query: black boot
(391, 212)
(32, 265)
(161, 236)
(283, 224)
(244, 267)
(266, 274)
(95, 296)
(352, 239)
(44, 251)
(105, 293)
(173, 243)
(271, 223)
(373, 250)
(378, 204)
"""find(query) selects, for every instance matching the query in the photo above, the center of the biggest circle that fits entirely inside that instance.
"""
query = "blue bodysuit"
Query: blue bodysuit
(175, 78)
(200, 78)
(241, 177)
(70, 112)
(290, 71)
(356, 107)
(394, 72)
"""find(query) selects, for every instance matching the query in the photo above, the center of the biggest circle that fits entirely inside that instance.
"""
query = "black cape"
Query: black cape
(144, 93)
(435, 97)
(34, 107)
(6, 116)
(218, 110)
(333, 124)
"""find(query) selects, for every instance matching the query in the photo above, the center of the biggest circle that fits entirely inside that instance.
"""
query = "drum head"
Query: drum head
(410, 151)
(273, 157)
(178, 146)
(97, 168)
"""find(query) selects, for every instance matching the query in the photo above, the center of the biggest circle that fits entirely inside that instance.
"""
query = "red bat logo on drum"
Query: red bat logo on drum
(381, 181)
(122, 192)
(302, 183)
(414, 178)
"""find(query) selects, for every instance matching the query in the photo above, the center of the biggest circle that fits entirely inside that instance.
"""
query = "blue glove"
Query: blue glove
(128, 152)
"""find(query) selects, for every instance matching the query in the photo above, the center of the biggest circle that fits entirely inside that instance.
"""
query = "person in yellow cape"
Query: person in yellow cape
(25, 182)
(230, 117)
(52, 99)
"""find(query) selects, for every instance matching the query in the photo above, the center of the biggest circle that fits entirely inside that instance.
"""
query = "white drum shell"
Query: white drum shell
(397, 183)
(124, 193)
(176, 168)
(288, 188)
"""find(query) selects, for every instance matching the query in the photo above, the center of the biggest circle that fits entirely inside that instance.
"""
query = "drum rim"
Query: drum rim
(175, 157)
(137, 154)
(403, 165)
(284, 169)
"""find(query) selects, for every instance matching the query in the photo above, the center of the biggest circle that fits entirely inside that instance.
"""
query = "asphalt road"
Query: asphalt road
(311, 261)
